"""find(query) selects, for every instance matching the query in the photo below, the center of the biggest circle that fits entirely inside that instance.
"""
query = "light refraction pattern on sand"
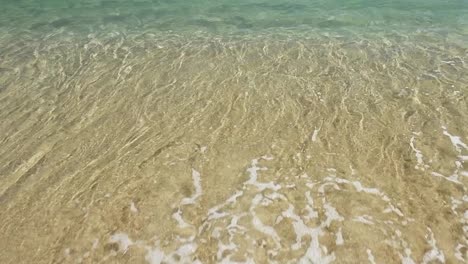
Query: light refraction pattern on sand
(152, 148)
(248, 131)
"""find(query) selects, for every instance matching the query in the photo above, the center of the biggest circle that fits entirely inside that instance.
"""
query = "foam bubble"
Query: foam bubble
(339, 237)
(370, 257)
(434, 253)
(198, 189)
(314, 135)
(123, 240)
(133, 207)
(456, 140)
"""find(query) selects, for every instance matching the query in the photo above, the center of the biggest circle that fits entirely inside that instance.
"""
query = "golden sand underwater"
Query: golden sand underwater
(165, 149)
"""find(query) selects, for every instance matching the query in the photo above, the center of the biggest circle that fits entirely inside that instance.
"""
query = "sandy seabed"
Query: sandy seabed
(153, 148)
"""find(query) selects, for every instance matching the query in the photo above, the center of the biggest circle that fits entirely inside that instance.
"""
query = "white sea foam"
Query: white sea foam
(370, 257)
(198, 189)
(360, 188)
(180, 221)
(456, 140)
(407, 259)
(267, 157)
(434, 253)
(95, 244)
(339, 237)
(214, 212)
(309, 207)
(458, 252)
(203, 149)
(123, 240)
(299, 227)
(419, 156)
(314, 135)
(314, 253)
(365, 219)
(258, 224)
(223, 221)
(453, 178)
(332, 214)
(154, 256)
(253, 172)
(133, 208)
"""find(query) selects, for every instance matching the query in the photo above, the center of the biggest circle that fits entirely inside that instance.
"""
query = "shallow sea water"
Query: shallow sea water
(234, 131)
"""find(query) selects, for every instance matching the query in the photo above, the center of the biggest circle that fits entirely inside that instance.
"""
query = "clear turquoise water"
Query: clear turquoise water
(257, 131)
(228, 16)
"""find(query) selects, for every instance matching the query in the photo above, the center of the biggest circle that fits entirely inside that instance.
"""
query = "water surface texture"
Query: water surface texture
(227, 131)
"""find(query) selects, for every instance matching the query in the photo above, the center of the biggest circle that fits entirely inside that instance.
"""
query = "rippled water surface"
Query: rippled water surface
(230, 131)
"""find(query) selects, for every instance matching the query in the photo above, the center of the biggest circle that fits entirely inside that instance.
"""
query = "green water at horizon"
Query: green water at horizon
(227, 16)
